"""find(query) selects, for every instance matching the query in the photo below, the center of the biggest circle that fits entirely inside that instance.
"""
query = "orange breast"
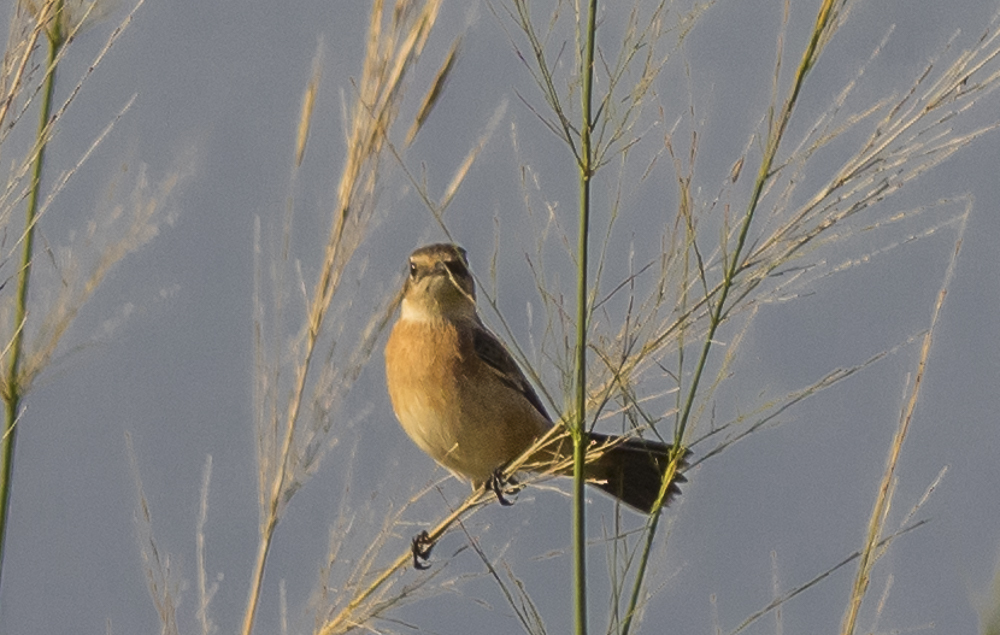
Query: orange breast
(452, 404)
(422, 372)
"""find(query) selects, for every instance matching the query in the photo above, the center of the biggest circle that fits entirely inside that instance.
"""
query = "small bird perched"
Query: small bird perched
(461, 397)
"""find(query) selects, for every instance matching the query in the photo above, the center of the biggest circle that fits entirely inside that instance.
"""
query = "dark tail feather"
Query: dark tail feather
(633, 470)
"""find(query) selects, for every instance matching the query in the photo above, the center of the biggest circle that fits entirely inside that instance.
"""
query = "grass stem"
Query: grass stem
(13, 390)
(822, 29)
(580, 436)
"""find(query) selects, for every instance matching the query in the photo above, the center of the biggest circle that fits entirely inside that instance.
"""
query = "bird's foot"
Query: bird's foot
(503, 486)
(421, 546)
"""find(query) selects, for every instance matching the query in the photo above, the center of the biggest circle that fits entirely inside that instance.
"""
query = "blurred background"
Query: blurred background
(164, 351)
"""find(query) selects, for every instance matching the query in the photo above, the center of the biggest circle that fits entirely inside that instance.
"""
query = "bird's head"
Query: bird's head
(439, 285)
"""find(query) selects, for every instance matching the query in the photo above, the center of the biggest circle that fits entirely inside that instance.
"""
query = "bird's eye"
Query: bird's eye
(413, 270)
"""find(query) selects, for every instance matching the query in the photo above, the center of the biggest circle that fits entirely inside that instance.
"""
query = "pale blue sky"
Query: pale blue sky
(219, 85)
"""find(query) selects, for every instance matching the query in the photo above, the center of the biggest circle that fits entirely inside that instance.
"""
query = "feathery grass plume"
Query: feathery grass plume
(435, 91)
(732, 254)
(68, 16)
(163, 583)
(876, 524)
(23, 359)
(308, 102)
(600, 135)
(295, 411)
(205, 591)
(676, 301)
(644, 327)
(14, 71)
(372, 592)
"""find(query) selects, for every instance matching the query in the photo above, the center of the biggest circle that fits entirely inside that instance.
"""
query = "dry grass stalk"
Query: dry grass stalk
(883, 501)
(291, 440)
(36, 324)
(688, 297)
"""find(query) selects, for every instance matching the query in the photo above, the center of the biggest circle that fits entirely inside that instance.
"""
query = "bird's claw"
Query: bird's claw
(421, 546)
(501, 485)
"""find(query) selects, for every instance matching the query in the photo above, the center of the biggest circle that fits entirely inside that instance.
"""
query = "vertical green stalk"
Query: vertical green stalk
(580, 436)
(13, 390)
(822, 29)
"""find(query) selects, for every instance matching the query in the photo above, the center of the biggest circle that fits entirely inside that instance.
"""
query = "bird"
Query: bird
(462, 398)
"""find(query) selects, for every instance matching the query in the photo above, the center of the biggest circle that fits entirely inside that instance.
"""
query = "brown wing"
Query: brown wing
(490, 350)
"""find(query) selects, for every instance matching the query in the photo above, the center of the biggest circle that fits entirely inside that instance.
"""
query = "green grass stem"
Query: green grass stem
(12, 385)
(825, 22)
(580, 436)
